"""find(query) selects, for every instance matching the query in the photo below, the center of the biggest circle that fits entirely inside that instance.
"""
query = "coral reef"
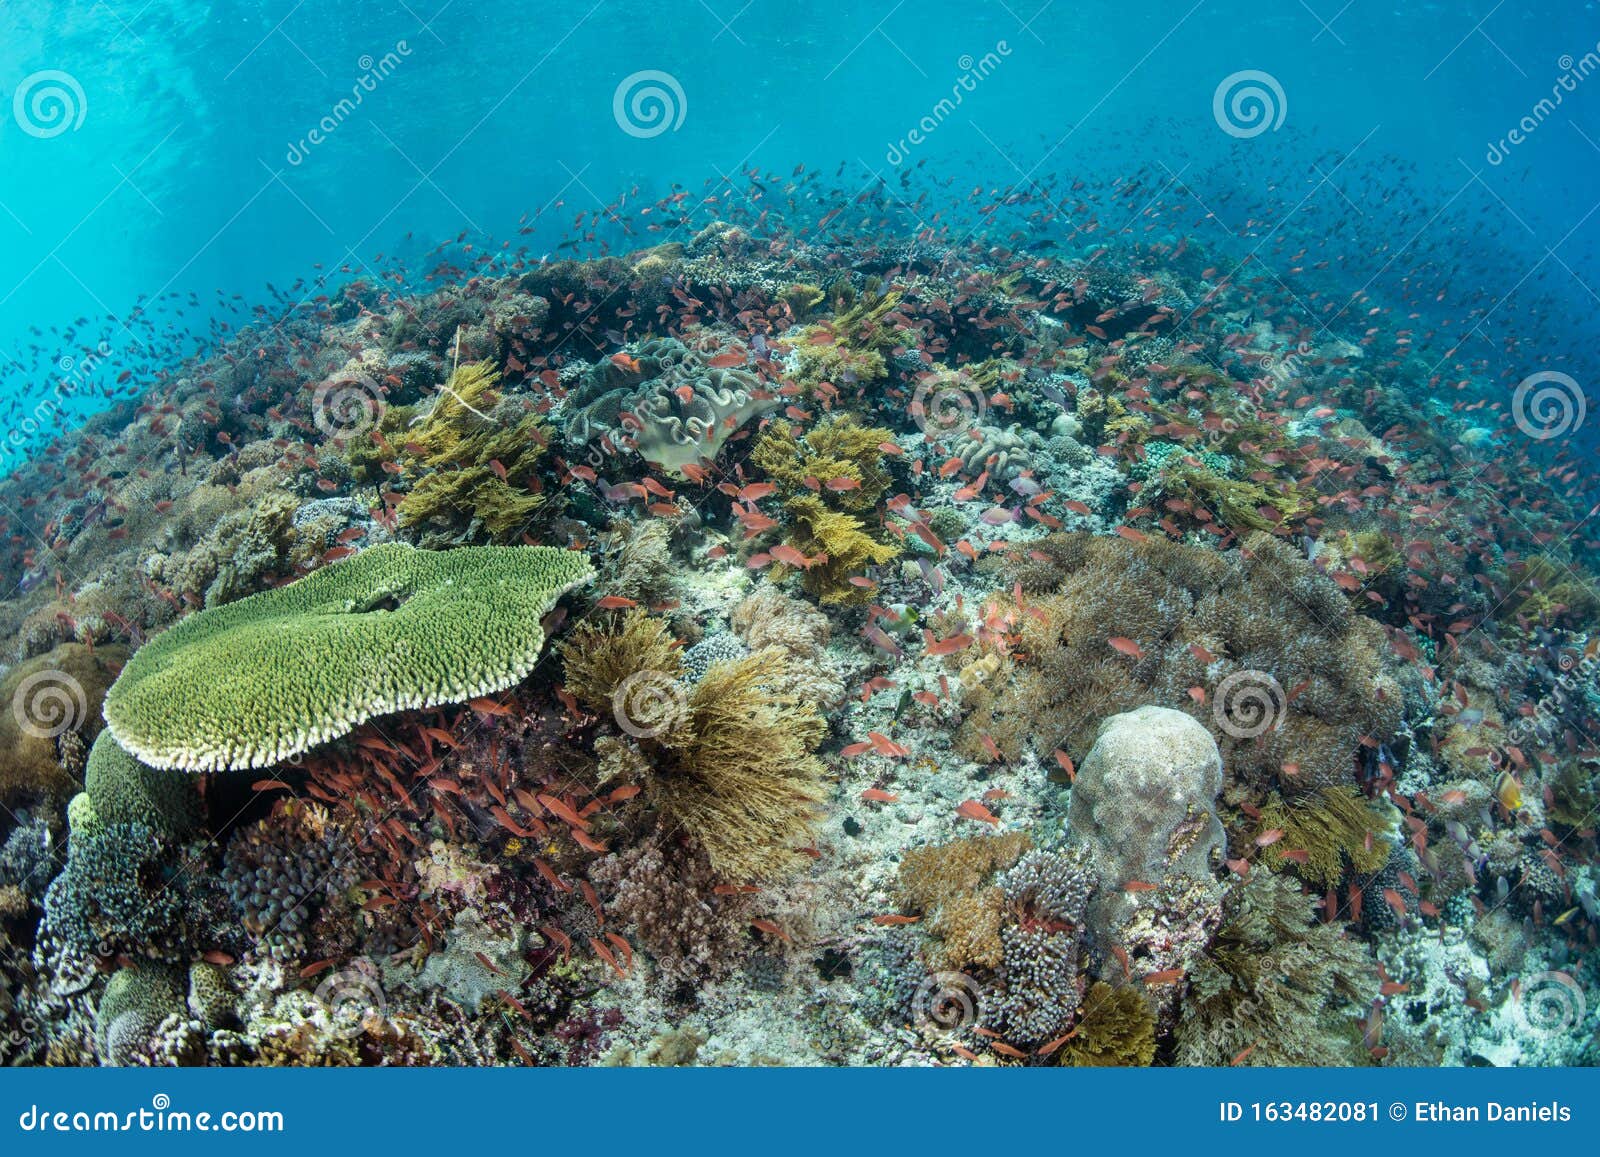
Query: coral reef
(1002, 652)
(1273, 988)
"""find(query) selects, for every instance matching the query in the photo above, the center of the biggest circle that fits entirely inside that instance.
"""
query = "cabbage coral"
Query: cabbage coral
(392, 629)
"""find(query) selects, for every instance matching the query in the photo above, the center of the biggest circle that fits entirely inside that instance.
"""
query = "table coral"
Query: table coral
(393, 628)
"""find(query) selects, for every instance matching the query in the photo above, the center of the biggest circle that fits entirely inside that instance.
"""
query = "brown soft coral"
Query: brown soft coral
(1253, 628)
(951, 885)
(47, 698)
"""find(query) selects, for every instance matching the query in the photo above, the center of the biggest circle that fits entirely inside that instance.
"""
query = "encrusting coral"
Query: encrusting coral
(393, 628)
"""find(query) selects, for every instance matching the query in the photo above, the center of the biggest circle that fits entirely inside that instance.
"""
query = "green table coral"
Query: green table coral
(392, 629)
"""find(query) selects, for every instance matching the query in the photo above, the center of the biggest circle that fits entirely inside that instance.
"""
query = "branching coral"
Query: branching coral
(770, 618)
(667, 892)
(287, 876)
(393, 628)
(127, 890)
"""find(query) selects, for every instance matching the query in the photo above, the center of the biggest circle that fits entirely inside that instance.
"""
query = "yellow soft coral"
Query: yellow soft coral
(836, 448)
(840, 547)
(473, 468)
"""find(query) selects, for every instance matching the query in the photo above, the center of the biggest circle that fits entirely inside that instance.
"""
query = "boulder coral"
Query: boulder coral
(1145, 804)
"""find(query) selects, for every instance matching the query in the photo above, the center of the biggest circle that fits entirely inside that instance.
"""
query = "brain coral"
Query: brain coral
(392, 629)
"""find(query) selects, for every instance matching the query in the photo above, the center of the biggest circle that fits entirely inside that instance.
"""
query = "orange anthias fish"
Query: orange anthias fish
(1126, 646)
(973, 810)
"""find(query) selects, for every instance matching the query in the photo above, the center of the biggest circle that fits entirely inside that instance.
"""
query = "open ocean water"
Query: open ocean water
(1000, 534)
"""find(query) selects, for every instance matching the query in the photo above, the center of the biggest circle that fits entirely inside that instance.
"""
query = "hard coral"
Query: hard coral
(394, 628)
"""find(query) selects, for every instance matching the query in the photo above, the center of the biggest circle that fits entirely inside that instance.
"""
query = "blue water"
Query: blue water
(180, 171)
